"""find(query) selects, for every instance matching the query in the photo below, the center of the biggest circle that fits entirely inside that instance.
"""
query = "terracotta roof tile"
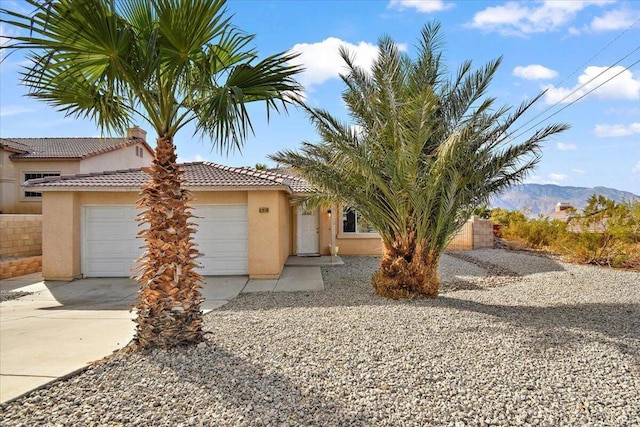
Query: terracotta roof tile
(198, 174)
(64, 148)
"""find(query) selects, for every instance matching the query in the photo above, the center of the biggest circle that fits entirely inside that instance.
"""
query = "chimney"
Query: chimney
(136, 132)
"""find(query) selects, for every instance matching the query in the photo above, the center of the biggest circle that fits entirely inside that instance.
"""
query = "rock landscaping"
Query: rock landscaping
(513, 339)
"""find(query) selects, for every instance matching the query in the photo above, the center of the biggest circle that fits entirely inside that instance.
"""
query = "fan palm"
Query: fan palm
(169, 63)
(421, 151)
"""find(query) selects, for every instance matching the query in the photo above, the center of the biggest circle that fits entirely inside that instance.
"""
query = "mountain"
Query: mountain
(534, 199)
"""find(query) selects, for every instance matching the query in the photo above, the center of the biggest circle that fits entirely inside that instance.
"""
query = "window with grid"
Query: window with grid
(352, 222)
(37, 175)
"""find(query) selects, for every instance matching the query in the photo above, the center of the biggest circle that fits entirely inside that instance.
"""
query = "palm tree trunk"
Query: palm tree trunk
(169, 297)
(407, 270)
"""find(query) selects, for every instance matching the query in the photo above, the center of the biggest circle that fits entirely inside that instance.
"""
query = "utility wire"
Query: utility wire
(586, 83)
(580, 88)
(600, 51)
(572, 102)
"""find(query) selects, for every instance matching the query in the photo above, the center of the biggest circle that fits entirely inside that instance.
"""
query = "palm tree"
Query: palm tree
(421, 153)
(169, 63)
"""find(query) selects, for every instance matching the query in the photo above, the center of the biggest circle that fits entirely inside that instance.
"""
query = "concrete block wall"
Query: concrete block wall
(20, 267)
(20, 235)
(475, 234)
(482, 233)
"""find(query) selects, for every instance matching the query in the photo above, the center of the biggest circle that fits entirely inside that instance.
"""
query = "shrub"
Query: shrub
(605, 233)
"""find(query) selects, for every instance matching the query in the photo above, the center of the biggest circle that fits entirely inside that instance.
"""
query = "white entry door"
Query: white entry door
(308, 232)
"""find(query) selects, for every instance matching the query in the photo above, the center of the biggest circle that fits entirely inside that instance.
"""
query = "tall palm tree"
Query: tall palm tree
(421, 151)
(169, 63)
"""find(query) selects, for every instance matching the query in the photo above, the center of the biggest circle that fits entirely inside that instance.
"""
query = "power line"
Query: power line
(579, 88)
(572, 102)
(601, 50)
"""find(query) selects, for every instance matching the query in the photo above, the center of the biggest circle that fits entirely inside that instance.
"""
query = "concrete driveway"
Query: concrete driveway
(63, 326)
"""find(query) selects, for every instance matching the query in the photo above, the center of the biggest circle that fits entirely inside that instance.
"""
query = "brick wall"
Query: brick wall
(20, 235)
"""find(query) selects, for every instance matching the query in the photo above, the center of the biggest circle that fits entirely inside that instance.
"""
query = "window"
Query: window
(354, 223)
(139, 151)
(36, 175)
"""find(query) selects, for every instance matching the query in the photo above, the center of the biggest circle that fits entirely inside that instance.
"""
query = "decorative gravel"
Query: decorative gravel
(542, 343)
(11, 295)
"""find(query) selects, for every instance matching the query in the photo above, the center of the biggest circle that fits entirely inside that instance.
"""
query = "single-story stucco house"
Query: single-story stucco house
(247, 224)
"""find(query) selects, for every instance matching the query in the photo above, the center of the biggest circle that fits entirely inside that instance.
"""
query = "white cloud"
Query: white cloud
(636, 168)
(617, 83)
(12, 110)
(534, 72)
(518, 18)
(422, 6)
(566, 146)
(608, 131)
(558, 177)
(579, 171)
(619, 19)
(552, 178)
(322, 60)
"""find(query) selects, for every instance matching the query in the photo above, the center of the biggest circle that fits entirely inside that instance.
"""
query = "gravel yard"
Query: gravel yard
(514, 339)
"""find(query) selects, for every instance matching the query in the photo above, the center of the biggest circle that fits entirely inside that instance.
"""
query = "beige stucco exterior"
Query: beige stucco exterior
(269, 241)
(12, 172)
(272, 229)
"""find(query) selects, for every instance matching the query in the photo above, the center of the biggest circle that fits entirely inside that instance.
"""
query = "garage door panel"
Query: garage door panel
(225, 249)
(110, 245)
(227, 266)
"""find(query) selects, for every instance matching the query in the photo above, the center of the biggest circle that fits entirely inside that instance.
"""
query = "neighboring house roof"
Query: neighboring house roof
(65, 148)
(199, 175)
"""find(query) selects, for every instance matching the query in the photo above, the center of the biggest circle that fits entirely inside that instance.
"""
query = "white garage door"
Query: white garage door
(110, 245)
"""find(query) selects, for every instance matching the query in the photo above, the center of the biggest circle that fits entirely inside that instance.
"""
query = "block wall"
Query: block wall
(20, 235)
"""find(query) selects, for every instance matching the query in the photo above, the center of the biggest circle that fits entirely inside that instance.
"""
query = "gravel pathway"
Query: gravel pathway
(543, 343)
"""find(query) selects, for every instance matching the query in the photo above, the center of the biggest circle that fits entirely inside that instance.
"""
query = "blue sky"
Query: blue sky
(567, 47)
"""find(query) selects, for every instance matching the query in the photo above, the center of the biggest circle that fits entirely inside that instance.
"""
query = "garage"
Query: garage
(110, 246)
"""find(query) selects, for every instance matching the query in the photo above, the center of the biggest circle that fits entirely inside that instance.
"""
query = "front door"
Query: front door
(308, 231)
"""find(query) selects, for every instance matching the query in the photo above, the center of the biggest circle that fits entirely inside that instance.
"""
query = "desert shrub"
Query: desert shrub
(605, 233)
(506, 217)
(538, 233)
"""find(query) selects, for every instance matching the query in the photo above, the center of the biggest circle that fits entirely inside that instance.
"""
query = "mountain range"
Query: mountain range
(534, 199)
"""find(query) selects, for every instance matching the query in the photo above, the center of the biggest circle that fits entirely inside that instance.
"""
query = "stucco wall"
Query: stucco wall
(265, 236)
(14, 178)
(284, 227)
(61, 236)
(7, 183)
(124, 158)
(475, 234)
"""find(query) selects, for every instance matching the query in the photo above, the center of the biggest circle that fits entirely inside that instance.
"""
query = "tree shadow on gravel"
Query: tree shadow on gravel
(226, 382)
(615, 321)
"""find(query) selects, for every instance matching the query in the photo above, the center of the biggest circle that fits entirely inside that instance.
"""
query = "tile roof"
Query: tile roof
(64, 148)
(197, 174)
(297, 183)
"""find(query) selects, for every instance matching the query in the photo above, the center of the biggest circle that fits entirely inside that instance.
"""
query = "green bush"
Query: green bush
(605, 233)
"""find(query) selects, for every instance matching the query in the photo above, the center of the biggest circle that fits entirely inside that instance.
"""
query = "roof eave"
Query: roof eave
(58, 188)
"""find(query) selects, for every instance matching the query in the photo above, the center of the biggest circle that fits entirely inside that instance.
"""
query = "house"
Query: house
(563, 212)
(22, 159)
(247, 223)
